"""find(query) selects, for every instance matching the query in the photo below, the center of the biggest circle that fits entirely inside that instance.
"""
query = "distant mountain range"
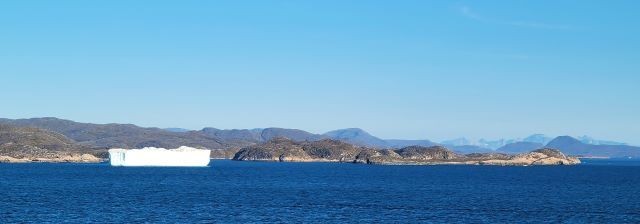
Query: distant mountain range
(102, 136)
(536, 138)
(580, 146)
(353, 136)
(360, 137)
(575, 146)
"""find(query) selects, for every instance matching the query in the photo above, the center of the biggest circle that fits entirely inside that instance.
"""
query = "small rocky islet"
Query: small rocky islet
(285, 150)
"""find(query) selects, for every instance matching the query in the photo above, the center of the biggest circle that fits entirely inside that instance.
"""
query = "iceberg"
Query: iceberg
(151, 156)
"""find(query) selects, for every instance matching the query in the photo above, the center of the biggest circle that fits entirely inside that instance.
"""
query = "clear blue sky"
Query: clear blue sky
(399, 69)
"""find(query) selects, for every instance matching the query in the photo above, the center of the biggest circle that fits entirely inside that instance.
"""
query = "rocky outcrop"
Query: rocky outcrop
(224, 153)
(285, 150)
(371, 156)
(331, 150)
(537, 157)
(59, 158)
(278, 149)
(24, 144)
(427, 153)
(9, 159)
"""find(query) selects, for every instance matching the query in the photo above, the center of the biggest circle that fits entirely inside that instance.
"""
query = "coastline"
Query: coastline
(7, 159)
(285, 150)
(424, 163)
(75, 158)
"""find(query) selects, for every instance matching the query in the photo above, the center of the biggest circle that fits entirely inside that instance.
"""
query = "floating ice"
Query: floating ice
(151, 156)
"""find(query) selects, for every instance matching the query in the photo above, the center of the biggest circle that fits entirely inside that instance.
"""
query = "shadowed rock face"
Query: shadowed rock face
(278, 149)
(281, 149)
(426, 153)
(331, 150)
(372, 156)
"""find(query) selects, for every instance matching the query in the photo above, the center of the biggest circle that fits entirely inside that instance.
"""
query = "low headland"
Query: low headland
(285, 150)
(28, 144)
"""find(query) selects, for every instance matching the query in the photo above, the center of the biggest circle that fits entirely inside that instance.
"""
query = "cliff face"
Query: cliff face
(285, 150)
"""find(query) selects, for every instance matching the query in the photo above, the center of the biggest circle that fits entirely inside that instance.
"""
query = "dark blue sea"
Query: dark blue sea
(599, 191)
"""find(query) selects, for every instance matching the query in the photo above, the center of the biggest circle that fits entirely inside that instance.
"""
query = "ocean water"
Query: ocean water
(597, 192)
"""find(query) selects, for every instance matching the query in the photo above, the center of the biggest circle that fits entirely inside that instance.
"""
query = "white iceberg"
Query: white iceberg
(151, 156)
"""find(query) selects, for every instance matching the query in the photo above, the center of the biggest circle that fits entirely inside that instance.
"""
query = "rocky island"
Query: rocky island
(285, 150)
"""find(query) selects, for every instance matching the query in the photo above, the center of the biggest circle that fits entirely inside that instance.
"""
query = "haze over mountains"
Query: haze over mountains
(536, 138)
(102, 136)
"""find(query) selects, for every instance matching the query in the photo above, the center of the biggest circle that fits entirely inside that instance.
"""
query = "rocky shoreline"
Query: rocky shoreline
(70, 158)
(285, 150)
(28, 144)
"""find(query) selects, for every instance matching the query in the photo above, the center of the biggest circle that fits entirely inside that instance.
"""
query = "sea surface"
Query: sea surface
(599, 191)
